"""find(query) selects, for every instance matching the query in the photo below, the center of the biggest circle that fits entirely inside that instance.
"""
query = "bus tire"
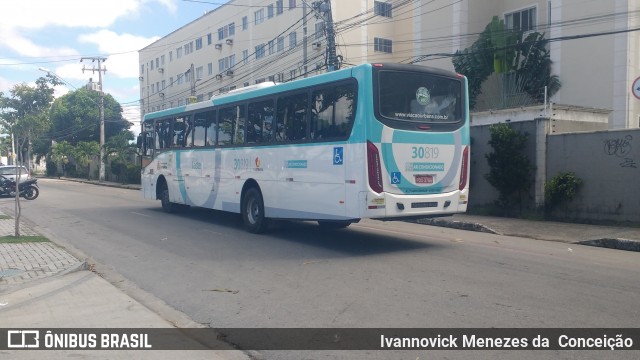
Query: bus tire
(338, 224)
(253, 212)
(167, 205)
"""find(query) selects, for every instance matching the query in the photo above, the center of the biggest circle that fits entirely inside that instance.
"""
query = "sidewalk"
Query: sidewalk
(43, 286)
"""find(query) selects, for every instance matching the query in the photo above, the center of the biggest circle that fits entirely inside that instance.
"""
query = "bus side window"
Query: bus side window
(292, 114)
(162, 134)
(240, 119)
(226, 119)
(188, 141)
(180, 130)
(259, 122)
(322, 105)
(199, 130)
(344, 112)
(212, 127)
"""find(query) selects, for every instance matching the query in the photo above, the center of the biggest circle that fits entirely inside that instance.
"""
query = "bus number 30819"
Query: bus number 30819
(426, 152)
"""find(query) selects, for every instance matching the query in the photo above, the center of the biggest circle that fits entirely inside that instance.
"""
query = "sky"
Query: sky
(55, 34)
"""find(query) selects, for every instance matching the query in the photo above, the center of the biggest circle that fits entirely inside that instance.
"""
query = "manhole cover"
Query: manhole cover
(10, 272)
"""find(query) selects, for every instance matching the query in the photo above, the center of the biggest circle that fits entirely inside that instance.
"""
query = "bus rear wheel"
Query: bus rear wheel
(253, 212)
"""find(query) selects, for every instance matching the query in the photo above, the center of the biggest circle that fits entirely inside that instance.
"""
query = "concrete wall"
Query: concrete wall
(607, 161)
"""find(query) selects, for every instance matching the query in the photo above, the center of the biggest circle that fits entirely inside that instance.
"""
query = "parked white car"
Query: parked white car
(9, 171)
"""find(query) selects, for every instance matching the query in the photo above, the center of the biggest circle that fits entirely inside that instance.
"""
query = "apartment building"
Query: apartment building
(594, 47)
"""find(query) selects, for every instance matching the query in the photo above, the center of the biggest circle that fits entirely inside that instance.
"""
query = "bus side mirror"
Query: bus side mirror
(139, 141)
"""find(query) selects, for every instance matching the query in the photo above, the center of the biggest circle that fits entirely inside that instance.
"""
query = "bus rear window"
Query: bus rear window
(419, 98)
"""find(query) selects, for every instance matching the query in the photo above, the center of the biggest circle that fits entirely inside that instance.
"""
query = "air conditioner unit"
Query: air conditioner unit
(141, 78)
(218, 46)
(317, 45)
(229, 41)
(161, 70)
(229, 72)
(161, 94)
(219, 76)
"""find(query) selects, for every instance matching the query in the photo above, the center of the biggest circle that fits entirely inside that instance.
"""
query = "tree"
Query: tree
(510, 169)
(118, 149)
(84, 152)
(523, 65)
(24, 115)
(62, 152)
(75, 117)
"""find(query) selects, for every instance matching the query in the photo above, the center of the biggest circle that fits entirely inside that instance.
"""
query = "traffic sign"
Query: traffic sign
(635, 88)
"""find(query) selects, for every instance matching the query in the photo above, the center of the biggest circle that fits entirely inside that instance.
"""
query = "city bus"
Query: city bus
(378, 141)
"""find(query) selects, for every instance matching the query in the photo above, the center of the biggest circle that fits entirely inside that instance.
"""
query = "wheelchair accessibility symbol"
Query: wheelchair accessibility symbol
(396, 178)
(338, 156)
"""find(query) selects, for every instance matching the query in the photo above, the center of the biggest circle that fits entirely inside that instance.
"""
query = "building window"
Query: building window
(279, 6)
(260, 51)
(151, 67)
(232, 29)
(171, 81)
(271, 47)
(198, 43)
(292, 40)
(523, 20)
(162, 60)
(199, 72)
(164, 84)
(258, 16)
(209, 39)
(141, 69)
(382, 8)
(245, 23)
(245, 56)
(210, 69)
(292, 74)
(292, 4)
(280, 44)
(382, 45)
(270, 11)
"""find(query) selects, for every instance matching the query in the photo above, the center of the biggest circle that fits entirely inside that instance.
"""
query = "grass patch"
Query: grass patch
(22, 239)
(5, 217)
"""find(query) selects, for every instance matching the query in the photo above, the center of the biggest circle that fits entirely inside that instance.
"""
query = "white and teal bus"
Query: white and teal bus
(381, 141)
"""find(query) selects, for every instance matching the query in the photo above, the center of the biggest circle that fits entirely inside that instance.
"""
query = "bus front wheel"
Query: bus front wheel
(167, 205)
(253, 212)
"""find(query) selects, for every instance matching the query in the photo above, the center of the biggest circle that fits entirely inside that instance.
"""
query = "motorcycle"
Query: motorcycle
(28, 189)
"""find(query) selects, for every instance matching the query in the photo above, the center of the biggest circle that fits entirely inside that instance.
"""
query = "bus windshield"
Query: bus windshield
(418, 98)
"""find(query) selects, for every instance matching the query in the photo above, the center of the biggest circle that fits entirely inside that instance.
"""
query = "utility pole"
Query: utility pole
(192, 98)
(324, 8)
(304, 37)
(100, 60)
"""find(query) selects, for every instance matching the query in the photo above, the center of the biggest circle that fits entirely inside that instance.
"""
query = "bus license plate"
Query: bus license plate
(424, 179)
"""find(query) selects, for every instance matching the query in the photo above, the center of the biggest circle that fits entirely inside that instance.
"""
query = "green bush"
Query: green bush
(561, 189)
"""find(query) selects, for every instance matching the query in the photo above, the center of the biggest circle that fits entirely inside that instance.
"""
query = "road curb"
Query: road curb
(619, 244)
(455, 224)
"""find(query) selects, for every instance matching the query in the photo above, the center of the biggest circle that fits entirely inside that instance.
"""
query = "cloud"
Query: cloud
(124, 47)
(20, 19)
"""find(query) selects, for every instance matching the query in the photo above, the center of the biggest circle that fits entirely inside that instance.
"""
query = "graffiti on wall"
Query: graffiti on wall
(621, 149)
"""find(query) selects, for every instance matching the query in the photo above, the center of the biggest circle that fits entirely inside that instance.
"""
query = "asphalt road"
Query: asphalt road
(373, 274)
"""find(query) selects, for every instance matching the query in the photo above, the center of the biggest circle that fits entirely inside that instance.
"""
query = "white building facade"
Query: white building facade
(595, 45)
